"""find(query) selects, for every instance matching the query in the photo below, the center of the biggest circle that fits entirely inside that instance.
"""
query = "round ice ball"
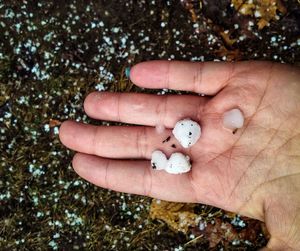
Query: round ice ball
(187, 132)
(158, 160)
(178, 163)
(233, 119)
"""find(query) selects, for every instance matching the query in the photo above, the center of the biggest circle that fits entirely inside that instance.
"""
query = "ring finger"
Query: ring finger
(117, 141)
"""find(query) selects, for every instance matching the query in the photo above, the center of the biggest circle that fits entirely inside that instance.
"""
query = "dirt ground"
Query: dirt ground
(52, 53)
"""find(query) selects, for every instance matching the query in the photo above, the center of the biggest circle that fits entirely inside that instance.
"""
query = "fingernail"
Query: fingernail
(127, 72)
(233, 119)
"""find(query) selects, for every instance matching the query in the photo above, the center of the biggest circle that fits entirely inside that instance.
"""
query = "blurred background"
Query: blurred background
(53, 53)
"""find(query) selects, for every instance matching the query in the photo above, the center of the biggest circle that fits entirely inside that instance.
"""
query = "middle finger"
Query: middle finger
(143, 109)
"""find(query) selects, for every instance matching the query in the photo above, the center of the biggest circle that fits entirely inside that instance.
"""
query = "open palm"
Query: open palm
(255, 171)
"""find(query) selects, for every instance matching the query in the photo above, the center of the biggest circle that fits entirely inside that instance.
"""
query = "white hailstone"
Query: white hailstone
(187, 132)
(158, 160)
(177, 163)
(233, 119)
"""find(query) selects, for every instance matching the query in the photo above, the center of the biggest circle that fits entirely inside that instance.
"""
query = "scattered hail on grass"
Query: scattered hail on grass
(177, 163)
(187, 132)
(74, 49)
(233, 119)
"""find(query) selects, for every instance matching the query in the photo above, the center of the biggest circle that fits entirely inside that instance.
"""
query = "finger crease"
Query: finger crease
(94, 147)
(230, 75)
(200, 110)
(118, 107)
(106, 174)
(193, 186)
(147, 182)
(161, 110)
(141, 142)
(167, 77)
(165, 110)
(197, 78)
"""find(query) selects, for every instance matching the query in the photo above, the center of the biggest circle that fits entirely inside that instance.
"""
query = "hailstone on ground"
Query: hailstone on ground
(187, 132)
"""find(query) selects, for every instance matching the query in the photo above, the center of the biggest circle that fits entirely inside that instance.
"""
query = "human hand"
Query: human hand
(254, 172)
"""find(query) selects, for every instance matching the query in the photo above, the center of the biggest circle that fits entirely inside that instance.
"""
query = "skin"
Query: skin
(254, 172)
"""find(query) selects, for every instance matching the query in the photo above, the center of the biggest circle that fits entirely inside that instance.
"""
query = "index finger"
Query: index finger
(200, 77)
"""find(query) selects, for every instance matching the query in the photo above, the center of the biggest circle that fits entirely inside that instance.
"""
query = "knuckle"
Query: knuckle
(94, 146)
(147, 182)
(161, 110)
(141, 142)
(118, 105)
(106, 179)
(197, 77)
